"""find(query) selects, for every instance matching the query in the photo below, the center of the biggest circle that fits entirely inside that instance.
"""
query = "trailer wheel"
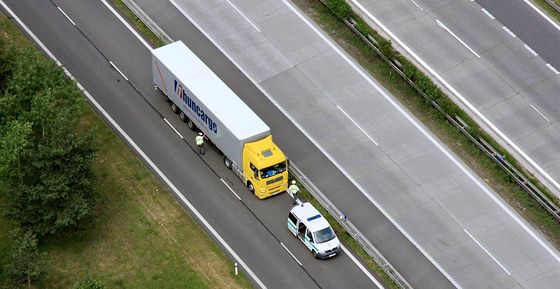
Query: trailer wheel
(227, 162)
(174, 107)
(190, 124)
(251, 187)
(183, 116)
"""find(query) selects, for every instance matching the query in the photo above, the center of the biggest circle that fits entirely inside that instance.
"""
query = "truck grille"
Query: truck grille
(274, 180)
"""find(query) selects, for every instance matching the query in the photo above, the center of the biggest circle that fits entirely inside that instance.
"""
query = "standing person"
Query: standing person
(200, 143)
(293, 190)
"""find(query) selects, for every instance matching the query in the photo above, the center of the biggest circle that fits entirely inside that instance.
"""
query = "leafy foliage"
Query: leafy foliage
(46, 174)
(89, 284)
(25, 263)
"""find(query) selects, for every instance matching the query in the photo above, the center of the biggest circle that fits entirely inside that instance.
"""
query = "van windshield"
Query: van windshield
(273, 170)
(323, 235)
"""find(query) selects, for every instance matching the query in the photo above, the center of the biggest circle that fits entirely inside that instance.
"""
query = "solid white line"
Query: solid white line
(246, 18)
(118, 70)
(230, 188)
(488, 14)
(457, 38)
(542, 14)
(224, 52)
(509, 32)
(371, 277)
(125, 23)
(539, 112)
(65, 15)
(552, 68)
(172, 127)
(417, 5)
(487, 252)
(139, 151)
(484, 119)
(530, 49)
(356, 124)
(291, 254)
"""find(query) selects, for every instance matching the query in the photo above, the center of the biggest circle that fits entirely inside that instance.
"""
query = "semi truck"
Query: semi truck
(206, 103)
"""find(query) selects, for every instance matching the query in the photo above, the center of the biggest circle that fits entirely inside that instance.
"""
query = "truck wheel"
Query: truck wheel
(190, 124)
(183, 116)
(227, 162)
(315, 255)
(251, 187)
(174, 107)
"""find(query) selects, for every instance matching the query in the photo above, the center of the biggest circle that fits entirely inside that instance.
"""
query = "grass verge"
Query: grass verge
(142, 238)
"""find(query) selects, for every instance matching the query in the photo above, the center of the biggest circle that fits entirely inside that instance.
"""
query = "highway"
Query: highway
(498, 59)
(450, 216)
(421, 207)
(102, 54)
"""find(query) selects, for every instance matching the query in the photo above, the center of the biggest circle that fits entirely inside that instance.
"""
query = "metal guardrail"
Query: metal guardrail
(553, 4)
(522, 180)
(350, 228)
(147, 21)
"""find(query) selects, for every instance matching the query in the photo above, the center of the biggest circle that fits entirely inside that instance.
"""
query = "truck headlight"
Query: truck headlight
(263, 190)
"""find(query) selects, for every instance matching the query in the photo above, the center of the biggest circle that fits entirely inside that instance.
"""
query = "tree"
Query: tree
(25, 263)
(46, 157)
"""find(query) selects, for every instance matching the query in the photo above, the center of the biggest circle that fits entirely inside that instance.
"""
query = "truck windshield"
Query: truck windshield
(273, 170)
(323, 235)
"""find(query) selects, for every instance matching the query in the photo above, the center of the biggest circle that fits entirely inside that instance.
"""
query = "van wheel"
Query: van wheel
(227, 162)
(251, 187)
(183, 116)
(174, 107)
(315, 255)
(190, 124)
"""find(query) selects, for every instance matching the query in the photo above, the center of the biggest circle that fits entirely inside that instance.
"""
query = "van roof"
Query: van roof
(310, 217)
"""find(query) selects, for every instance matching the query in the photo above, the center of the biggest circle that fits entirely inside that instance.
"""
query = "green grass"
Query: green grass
(137, 22)
(142, 237)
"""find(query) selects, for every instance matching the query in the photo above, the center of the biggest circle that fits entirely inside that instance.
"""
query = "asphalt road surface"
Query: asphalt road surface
(255, 230)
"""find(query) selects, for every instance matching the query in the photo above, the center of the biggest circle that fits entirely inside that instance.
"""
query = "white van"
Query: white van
(306, 223)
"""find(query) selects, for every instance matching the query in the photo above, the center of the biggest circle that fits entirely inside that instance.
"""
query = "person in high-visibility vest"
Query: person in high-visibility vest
(293, 190)
(200, 143)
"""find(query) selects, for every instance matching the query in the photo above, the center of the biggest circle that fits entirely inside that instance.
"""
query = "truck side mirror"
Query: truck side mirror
(256, 174)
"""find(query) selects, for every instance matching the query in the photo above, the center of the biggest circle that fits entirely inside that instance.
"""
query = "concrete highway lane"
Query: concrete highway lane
(102, 54)
(467, 236)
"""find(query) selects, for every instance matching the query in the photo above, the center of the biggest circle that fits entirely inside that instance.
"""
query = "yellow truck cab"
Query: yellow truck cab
(265, 168)
(307, 224)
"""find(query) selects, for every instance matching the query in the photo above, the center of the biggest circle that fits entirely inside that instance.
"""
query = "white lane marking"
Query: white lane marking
(172, 127)
(356, 124)
(349, 254)
(552, 68)
(65, 15)
(488, 14)
(530, 49)
(230, 189)
(457, 38)
(417, 5)
(484, 119)
(137, 148)
(487, 252)
(125, 23)
(539, 112)
(118, 70)
(509, 32)
(243, 15)
(224, 52)
(542, 14)
(285, 248)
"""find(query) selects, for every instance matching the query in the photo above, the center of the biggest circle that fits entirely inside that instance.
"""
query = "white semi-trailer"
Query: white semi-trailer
(205, 102)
